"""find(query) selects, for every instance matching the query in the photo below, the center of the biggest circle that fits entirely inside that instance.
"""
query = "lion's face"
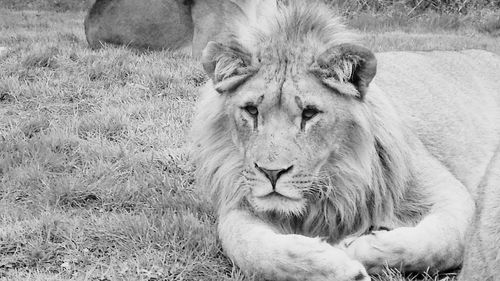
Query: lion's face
(286, 135)
(292, 118)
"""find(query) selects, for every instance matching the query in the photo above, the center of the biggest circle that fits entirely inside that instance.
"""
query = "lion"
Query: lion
(326, 161)
(482, 251)
(157, 24)
(151, 24)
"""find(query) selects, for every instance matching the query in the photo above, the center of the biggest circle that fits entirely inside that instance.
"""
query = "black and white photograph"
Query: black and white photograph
(250, 140)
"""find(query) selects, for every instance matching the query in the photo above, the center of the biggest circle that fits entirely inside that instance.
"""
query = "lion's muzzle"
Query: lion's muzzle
(273, 174)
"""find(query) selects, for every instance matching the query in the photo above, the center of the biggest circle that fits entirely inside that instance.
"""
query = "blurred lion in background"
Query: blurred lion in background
(149, 24)
(328, 162)
(157, 24)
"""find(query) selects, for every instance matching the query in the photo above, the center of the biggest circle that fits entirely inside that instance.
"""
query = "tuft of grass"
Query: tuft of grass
(41, 57)
(5, 92)
(490, 24)
(111, 126)
(33, 127)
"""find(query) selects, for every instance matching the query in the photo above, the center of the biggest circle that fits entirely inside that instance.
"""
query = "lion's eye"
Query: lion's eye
(252, 110)
(309, 113)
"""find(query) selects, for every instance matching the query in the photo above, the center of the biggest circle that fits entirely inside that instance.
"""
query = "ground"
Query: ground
(95, 178)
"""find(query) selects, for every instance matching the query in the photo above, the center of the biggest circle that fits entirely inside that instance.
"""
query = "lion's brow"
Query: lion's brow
(254, 102)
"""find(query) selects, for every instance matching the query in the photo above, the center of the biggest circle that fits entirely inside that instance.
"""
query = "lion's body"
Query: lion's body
(451, 101)
(294, 143)
(148, 24)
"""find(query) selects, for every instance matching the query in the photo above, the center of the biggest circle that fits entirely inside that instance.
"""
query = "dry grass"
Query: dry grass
(415, 6)
(95, 180)
(48, 5)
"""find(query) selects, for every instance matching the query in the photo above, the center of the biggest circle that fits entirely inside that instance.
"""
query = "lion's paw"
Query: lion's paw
(335, 265)
(356, 272)
(312, 260)
(375, 250)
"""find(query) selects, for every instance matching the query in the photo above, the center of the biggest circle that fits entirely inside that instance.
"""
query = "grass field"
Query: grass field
(95, 178)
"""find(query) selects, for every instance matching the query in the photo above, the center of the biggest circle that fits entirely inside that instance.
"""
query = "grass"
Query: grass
(95, 178)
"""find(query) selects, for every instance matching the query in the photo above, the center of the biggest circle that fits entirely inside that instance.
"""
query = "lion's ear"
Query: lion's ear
(346, 63)
(227, 66)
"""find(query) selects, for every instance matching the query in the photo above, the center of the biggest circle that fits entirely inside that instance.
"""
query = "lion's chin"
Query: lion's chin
(275, 202)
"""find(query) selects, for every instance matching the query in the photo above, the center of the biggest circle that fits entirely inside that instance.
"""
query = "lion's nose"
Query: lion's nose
(273, 175)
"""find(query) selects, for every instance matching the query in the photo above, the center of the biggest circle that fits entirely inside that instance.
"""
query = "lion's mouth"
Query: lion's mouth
(276, 201)
(277, 195)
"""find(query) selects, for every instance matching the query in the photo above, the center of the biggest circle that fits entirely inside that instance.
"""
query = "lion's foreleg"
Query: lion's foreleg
(257, 248)
(482, 254)
(436, 243)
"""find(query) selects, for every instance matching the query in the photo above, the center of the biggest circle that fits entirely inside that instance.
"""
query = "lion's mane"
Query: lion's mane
(364, 182)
